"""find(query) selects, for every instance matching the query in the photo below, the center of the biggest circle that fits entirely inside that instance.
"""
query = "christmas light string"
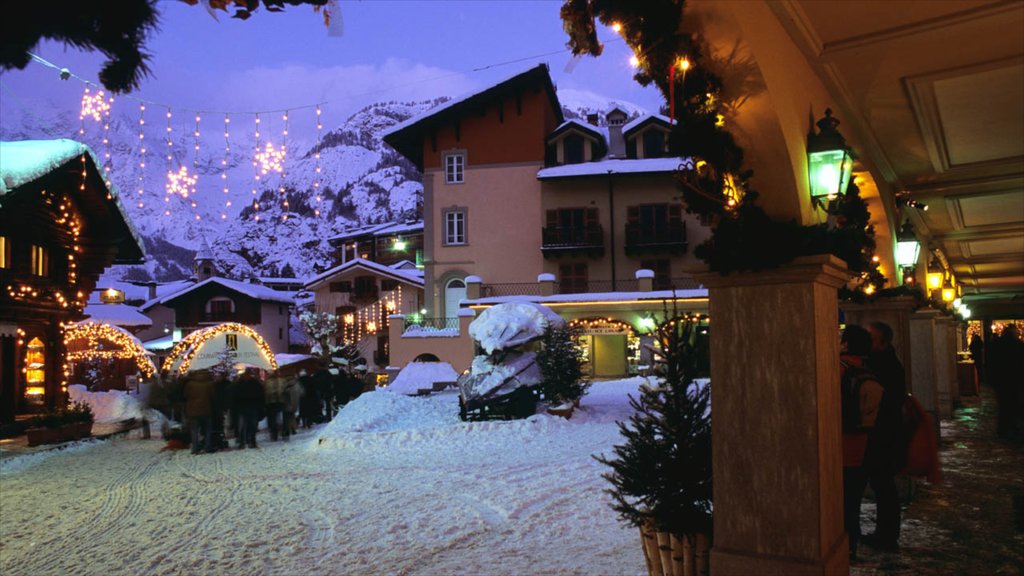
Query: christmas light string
(256, 174)
(284, 157)
(106, 143)
(142, 152)
(195, 169)
(316, 172)
(224, 168)
(167, 188)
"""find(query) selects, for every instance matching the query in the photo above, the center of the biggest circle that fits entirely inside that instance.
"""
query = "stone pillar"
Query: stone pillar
(945, 366)
(923, 385)
(776, 426)
(547, 284)
(644, 280)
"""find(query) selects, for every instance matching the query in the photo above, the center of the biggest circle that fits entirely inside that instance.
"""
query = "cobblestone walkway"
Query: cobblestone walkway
(973, 523)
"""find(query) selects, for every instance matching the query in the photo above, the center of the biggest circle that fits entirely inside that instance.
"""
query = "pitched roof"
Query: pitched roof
(254, 291)
(412, 277)
(644, 120)
(407, 137)
(385, 229)
(23, 162)
(117, 314)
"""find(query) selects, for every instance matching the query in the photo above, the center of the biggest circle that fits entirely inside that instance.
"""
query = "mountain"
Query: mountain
(360, 180)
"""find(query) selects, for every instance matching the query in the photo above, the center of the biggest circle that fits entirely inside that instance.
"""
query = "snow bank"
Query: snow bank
(380, 411)
(511, 324)
(115, 405)
(418, 375)
(23, 462)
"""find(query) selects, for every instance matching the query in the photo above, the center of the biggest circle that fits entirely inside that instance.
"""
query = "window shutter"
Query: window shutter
(675, 213)
(552, 218)
(633, 214)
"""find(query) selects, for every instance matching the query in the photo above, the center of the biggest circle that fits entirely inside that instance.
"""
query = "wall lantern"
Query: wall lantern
(935, 273)
(948, 292)
(400, 244)
(907, 246)
(829, 162)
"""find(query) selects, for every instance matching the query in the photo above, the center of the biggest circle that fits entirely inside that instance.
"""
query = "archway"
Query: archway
(205, 348)
(92, 341)
(427, 357)
(454, 292)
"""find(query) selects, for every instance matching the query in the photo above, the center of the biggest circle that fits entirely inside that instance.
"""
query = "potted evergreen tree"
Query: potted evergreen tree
(661, 475)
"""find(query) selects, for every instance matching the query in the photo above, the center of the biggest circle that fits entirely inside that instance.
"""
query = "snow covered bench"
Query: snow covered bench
(522, 403)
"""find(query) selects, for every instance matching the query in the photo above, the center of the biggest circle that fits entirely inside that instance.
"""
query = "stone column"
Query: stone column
(547, 283)
(644, 280)
(923, 385)
(945, 366)
(776, 425)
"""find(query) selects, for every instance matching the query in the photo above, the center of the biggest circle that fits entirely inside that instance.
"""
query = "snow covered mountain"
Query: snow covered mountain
(360, 180)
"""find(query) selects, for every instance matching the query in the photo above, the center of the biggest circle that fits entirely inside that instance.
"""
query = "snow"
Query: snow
(488, 379)
(511, 324)
(394, 485)
(386, 229)
(628, 126)
(115, 406)
(117, 315)
(418, 375)
(255, 291)
(284, 359)
(654, 295)
(159, 344)
(25, 161)
(615, 166)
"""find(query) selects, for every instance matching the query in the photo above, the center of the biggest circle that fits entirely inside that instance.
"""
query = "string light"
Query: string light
(284, 153)
(271, 159)
(188, 347)
(167, 193)
(106, 142)
(94, 333)
(180, 182)
(142, 151)
(224, 168)
(94, 106)
(256, 173)
(195, 168)
(316, 172)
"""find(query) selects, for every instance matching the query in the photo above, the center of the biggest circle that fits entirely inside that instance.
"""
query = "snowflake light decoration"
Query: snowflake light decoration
(271, 159)
(94, 106)
(181, 182)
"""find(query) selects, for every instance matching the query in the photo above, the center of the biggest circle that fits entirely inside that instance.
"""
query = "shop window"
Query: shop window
(35, 370)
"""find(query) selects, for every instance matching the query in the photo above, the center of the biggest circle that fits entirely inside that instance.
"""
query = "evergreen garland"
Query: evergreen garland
(663, 470)
(713, 182)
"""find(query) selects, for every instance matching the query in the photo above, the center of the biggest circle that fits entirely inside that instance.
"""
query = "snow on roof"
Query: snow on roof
(586, 127)
(255, 291)
(414, 277)
(166, 289)
(384, 229)
(279, 280)
(418, 375)
(27, 160)
(596, 297)
(117, 315)
(205, 252)
(615, 166)
(643, 118)
(159, 344)
(23, 161)
(284, 359)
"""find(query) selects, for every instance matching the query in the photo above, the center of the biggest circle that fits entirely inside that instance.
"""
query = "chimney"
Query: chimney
(152, 290)
(592, 119)
(616, 143)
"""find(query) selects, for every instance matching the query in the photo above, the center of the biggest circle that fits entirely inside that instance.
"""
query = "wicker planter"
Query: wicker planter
(669, 555)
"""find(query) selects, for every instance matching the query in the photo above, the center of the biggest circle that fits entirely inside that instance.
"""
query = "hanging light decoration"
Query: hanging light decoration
(224, 169)
(270, 159)
(106, 143)
(94, 106)
(180, 183)
(195, 169)
(142, 152)
(256, 173)
(284, 153)
(316, 171)
(170, 169)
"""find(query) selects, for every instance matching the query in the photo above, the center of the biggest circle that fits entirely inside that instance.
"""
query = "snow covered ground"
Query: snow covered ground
(394, 485)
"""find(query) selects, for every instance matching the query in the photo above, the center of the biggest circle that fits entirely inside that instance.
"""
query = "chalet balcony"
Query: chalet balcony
(666, 238)
(213, 317)
(557, 240)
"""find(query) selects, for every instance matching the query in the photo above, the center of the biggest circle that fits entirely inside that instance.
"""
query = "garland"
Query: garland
(715, 186)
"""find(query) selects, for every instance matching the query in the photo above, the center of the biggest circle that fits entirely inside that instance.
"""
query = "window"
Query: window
(341, 286)
(573, 149)
(365, 287)
(40, 263)
(573, 277)
(219, 309)
(572, 227)
(654, 144)
(5, 252)
(454, 166)
(455, 227)
(387, 285)
(231, 341)
(662, 277)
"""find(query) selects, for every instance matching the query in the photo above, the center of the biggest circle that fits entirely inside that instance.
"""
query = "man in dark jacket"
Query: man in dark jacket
(249, 401)
(1004, 369)
(886, 452)
(199, 409)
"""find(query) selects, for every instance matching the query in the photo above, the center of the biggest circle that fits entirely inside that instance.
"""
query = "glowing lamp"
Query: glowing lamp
(907, 246)
(645, 323)
(829, 162)
(400, 245)
(965, 312)
(934, 275)
(948, 292)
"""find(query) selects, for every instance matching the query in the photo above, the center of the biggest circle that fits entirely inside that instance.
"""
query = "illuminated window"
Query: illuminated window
(5, 252)
(35, 370)
(454, 167)
(40, 265)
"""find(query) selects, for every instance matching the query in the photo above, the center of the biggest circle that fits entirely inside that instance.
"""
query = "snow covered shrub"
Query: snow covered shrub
(663, 471)
(323, 330)
(561, 361)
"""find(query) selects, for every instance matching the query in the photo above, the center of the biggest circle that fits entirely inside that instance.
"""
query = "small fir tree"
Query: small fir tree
(561, 365)
(225, 366)
(324, 331)
(663, 471)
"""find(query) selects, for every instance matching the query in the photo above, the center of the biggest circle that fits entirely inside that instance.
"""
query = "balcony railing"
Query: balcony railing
(431, 323)
(667, 237)
(510, 289)
(560, 239)
(219, 317)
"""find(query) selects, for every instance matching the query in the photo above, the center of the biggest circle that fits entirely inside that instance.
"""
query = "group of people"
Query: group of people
(214, 406)
(999, 365)
(873, 393)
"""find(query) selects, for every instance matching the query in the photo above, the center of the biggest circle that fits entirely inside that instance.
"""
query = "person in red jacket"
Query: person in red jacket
(861, 396)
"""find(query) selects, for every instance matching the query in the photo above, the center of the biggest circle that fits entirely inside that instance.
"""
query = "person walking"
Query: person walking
(249, 402)
(273, 394)
(291, 398)
(310, 402)
(886, 449)
(1004, 372)
(861, 396)
(198, 393)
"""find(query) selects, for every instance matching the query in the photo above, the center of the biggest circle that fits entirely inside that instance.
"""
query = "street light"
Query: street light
(829, 162)
(907, 247)
(935, 273)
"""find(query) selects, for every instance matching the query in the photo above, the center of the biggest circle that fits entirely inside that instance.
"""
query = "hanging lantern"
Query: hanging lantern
(829, 162)
(948, 292)
(907, 246)
(935, 273)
